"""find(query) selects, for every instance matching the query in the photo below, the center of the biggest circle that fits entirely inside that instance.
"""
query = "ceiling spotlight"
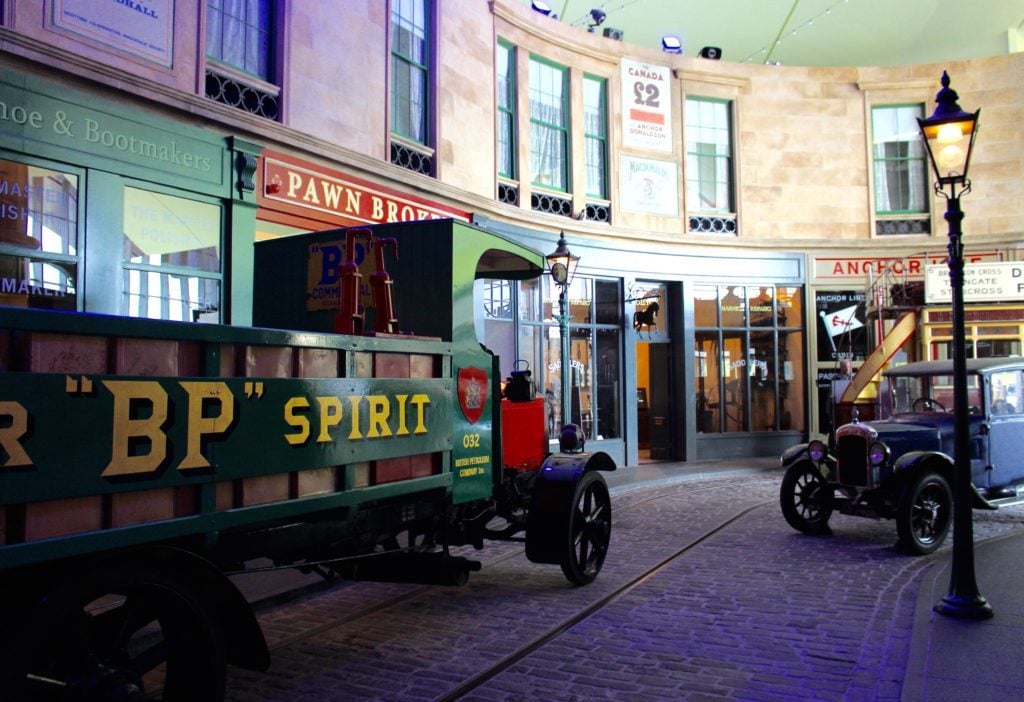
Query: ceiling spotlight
(671, 44)
(541, 7)
(598, 15)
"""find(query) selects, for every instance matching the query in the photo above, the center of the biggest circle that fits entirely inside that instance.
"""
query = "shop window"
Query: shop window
(38, 236)
(411, 85)
(240, 36)
(748, 358)
(594, 363)
(172, 257)
(549, 125)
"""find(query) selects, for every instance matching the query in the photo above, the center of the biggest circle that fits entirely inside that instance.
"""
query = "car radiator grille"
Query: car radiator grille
(852, 452)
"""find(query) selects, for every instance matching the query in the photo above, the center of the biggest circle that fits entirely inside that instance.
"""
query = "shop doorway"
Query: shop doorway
(654, 400)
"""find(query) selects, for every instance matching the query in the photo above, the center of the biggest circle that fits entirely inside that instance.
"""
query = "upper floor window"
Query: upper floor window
(901, 186)
(410, 69)
(506, 111)
(239, 33)
(240, 71)
(709, 179)
(549, 125)
(595, 125)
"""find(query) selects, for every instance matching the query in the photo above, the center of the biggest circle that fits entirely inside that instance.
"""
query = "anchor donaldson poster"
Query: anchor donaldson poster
(841, 330)
(140, 27)
(646, 106)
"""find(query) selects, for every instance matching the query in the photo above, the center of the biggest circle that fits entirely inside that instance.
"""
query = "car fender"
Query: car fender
(914, 461)
(796, 454)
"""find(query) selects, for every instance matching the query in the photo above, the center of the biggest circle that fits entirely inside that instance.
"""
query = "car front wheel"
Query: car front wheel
(806, 499)
(924, 514)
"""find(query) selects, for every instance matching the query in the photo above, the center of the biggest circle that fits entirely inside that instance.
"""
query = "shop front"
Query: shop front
(108, 209)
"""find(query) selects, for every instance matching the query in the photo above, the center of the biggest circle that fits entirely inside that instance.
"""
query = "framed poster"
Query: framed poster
(649, 186)
(646, 106)
(141, 27)
(841, 325)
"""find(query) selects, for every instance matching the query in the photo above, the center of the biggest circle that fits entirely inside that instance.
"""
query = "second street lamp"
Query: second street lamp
(949, 138)
(562, 264)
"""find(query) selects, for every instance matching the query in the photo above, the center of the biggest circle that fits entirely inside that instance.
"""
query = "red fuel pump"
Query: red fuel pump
(384, 308)
(349, 319)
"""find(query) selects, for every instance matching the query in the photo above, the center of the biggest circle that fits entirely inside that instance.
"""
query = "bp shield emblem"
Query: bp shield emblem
(472, 384)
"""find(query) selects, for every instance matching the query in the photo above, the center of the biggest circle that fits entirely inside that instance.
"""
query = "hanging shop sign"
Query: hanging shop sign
(140, 27)
(983, 282)
(647, 106)
(302, 188)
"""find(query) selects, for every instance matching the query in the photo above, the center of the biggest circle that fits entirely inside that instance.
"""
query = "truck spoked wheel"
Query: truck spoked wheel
(805, 499)
(126, 632)
(589, 530)
(924, 514)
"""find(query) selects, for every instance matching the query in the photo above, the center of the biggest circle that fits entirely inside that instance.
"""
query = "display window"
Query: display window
(172, 257)
(39, 234)
(533, 341)
(748, 358)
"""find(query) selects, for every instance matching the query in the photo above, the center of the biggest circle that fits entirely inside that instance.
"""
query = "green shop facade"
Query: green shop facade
(111, 209)
(108, 209)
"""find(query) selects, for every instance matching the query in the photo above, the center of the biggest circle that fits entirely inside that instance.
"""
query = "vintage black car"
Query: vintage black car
(901, 467)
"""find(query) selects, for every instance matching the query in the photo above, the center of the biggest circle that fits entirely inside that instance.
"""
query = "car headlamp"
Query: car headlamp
(817, 451)
(878, 453)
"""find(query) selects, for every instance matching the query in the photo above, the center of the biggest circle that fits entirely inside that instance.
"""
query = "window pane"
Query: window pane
(705, 305)
(899, 160)
(238, 33)
(164, 230)
(734, 364)
(409, 69)
(789, 306)
(708, 155)
(506, 111)
(549, 155)
(607, 302)
(38, 208)
(182, 298)
(706, 370)
(595, 131)
(734, 306)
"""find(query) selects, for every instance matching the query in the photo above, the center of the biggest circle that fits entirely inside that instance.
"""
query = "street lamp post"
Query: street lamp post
(949, 137)
(562, 264)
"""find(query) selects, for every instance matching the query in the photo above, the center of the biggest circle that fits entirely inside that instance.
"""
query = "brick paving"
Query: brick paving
(754, 612)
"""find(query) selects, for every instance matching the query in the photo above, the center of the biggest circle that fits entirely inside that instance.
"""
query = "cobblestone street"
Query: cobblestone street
(751, 611)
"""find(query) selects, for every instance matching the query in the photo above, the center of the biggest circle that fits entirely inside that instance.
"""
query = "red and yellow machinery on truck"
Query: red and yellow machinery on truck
(141, 461)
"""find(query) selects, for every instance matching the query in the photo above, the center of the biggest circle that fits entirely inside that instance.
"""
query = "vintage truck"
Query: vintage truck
(142, 461)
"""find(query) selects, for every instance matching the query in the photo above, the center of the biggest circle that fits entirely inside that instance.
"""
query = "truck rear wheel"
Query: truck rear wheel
(127, 631)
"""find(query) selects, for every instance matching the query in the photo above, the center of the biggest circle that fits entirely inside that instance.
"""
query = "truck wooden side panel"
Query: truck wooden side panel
(116, 431)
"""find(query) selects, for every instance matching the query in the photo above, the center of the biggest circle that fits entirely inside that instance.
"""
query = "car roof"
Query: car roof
(945, 367)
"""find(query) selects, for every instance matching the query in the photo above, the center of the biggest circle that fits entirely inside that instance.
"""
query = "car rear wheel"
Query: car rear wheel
(924, 514)
(806, 499)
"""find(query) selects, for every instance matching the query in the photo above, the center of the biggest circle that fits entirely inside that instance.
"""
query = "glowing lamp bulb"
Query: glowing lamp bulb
(949, 134)
(950, 157)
